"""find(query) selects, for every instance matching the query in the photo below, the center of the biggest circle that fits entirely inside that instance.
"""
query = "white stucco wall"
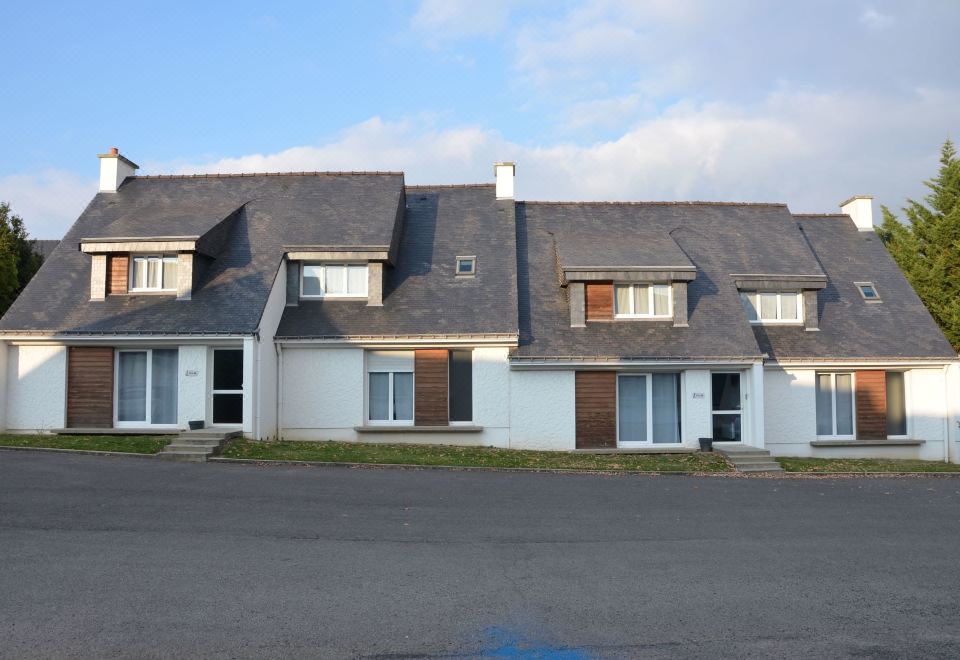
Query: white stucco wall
(266, 397)
(36, 388)
(192, 384)
(322, 393)
(791, 416)
(491, 395)
(543, 410)
(3, 385)
(697, 421)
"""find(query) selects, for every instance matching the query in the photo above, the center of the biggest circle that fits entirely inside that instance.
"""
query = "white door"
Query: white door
(727, 395)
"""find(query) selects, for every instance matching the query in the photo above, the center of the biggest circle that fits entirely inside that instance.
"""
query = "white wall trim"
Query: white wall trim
(626, 365)
(401, 342)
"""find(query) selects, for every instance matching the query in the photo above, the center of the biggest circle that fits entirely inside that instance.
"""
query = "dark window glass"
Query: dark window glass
(228, 370)
(726, 391)
(465, 266)
(726, 428)
(896, 404)
(227, 408)
(461, 386)
(868, 291)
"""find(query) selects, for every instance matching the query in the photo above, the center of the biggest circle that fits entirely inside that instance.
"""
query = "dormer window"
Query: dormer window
(868, 292)
(332, 280)
(642, 301)
(772, 306)
(466, 266)
(153, 273)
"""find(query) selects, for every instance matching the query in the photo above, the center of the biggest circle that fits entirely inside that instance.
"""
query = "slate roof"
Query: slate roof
(44, 246)
(719, 239)
(421, 294)
(899, 327)
(273, 210)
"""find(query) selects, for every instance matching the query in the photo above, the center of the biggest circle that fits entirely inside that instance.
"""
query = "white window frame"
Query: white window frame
(144, 259)
(876, 292)
(742, 411)
(473, 266)
(323, 280)
(390, 410)
(833, 403)
(778, 321)
(649, 286)
(649, 392)
(213, 392)
(906, 404)
(148, 411)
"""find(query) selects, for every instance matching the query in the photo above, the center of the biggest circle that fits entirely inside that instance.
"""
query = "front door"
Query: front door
(727, 407)
(227, 386)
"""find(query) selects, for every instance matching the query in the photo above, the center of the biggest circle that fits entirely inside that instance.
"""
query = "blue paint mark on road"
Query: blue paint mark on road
(503, 643)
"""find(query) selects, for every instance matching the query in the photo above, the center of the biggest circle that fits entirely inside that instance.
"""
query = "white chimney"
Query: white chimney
(114, 168)
(504, 173)
(860, 210)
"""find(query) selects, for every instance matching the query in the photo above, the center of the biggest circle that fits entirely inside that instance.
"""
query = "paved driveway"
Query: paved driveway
(141, 558)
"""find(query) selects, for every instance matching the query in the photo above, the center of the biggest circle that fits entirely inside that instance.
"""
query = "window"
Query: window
(772, 306)
(648, 409)
(835, 405)
(153, 272)
(146, 387)
(466, 266)
(461, 386)
(333, 281)
(390, 387)
(642, 301)
(868, 292)
(896, 405)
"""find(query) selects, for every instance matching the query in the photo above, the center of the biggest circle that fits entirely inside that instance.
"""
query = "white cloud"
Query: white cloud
(455, 19)
(48, 201)
(807, 149)
(875, 20)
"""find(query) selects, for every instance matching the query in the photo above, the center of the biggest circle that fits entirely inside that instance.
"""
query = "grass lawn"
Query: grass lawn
(350, 452)
(134, 444)
(823, 465)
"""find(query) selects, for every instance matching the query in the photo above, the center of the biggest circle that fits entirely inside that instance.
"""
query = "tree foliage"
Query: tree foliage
(19, 261)
(927, 246)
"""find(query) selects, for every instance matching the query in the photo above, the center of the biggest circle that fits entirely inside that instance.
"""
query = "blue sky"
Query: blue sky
(806, 103)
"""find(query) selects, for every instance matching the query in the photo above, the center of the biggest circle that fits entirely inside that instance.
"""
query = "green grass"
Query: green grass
(350, 452)
(827, 465)
(134, 444)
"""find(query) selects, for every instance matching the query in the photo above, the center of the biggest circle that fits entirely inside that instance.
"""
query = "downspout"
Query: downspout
(946, 413)
(279, 398)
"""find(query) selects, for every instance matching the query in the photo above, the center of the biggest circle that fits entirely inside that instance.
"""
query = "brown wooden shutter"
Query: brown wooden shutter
(596, 402)
(871, 396)
(430, 387)
(118, 266)
(90, 387)
(599, 297)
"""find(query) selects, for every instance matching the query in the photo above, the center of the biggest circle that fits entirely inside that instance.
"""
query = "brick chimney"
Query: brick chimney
(114, 168)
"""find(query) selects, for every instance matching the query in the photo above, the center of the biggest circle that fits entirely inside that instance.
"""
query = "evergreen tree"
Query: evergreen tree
(928, 248)
(19, 261)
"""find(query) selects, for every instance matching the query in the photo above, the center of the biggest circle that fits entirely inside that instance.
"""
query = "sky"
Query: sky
(806, 103)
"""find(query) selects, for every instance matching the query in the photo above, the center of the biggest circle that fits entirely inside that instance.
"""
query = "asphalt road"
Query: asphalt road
(142, 558)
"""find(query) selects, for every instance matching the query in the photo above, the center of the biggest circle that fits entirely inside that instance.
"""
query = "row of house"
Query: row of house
(351, 306)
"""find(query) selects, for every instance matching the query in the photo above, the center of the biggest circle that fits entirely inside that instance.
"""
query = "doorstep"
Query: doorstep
(418, 429)
(112, 431)
(867, 443)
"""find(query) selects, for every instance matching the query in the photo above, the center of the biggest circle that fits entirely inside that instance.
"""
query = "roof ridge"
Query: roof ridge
(427, 186)
(250, 174)
(819, 215)
(655, 203)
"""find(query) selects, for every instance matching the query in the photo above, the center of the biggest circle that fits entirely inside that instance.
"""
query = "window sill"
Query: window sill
(902, 442)
(332, 298)
(455, 428)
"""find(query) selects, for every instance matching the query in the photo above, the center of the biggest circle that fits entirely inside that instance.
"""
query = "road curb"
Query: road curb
(90, 452)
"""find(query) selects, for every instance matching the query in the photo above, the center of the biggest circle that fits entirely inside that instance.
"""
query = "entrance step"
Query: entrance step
(747, 459)
(196, 446)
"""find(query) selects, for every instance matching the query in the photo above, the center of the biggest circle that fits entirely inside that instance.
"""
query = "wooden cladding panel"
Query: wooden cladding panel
(118, 268)
(90, 387)
(599, 297)
(430, 387)
(596, 403)
(871, 397)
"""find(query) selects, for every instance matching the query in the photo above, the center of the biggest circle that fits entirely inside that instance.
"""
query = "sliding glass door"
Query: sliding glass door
(146, 387)
(648, 409)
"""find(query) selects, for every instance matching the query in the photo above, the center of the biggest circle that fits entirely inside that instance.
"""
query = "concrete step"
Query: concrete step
(750, 460)
(180, 440)
(763, 467)
(181, 448)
